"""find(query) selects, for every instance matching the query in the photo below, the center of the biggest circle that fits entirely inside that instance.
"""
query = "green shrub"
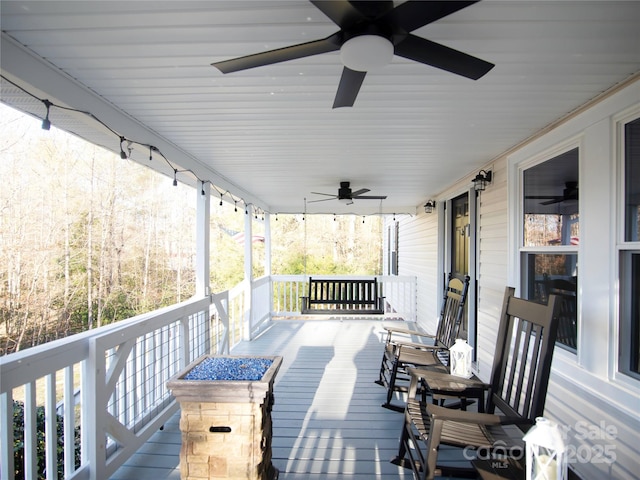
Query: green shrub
(18, 442)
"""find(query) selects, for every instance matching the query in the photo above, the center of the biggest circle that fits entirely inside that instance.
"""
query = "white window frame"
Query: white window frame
(520, 250)
(621, 373)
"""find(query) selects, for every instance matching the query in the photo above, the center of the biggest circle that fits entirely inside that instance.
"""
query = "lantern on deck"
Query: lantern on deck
(460, 358)
(546, 452)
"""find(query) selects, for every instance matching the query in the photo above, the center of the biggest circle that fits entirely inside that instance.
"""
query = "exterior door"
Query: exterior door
(461, 247)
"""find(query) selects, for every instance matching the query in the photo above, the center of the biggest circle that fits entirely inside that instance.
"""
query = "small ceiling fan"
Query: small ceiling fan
(347, 196)
(371, 32)
(570, 192)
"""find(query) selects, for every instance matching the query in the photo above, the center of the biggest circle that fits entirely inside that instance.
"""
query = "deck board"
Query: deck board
(328, 422)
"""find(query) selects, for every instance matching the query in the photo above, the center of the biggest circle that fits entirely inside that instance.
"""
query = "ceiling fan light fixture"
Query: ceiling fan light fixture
(366, 52)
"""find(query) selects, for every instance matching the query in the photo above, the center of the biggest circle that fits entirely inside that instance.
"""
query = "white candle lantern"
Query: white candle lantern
(546, 452)
(460, 358)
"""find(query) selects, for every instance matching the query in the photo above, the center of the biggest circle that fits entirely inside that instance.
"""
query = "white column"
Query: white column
(267, 244)
(267, 258)
(203, 209)
(248, 272)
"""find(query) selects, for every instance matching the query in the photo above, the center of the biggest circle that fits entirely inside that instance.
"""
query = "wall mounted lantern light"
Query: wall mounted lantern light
(429, 206)
(482, 179)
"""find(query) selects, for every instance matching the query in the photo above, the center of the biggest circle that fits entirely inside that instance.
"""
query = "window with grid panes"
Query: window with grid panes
(629, 256)
(551, 235)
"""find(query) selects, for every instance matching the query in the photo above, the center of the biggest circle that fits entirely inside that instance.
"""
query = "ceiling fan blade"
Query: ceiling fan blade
(359, 192)
(322, 200)
(417, 13)
(329, 44)
(370, 197)
(342, 13)
(327, 194)
(431, 53)
(348, 89)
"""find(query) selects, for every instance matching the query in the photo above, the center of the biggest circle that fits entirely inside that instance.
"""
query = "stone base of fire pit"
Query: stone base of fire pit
(226, 424)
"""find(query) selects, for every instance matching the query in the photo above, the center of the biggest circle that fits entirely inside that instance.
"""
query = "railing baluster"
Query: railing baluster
(6, 442)
(50, 427)
(30, 437)
(68, 416)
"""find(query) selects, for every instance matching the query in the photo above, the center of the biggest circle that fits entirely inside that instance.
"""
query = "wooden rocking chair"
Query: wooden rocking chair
(400, 354)
(520, 375)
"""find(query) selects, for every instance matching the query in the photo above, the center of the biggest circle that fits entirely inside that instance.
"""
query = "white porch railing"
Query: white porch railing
(121, 372)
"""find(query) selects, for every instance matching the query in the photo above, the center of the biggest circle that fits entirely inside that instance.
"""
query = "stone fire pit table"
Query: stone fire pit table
(225, 417)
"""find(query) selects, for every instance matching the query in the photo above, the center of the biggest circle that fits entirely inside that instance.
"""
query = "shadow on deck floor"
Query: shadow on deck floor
(328, 422)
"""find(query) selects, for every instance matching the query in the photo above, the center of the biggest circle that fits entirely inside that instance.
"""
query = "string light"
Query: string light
(46, 123)
(123, 155)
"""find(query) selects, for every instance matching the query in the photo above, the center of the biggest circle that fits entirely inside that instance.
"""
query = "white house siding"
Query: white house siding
(586, 393)
(417, 255)
(492, 264)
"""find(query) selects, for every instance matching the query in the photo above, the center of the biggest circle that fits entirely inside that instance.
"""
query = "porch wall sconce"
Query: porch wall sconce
(429, 206)
(482, 179)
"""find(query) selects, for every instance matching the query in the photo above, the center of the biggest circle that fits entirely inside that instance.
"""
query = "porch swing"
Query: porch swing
(334, 296)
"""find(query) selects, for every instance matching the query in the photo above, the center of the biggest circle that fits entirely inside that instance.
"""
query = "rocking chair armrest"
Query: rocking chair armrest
(418, 346)
(407, 331)
(442, 413)
(462, 416)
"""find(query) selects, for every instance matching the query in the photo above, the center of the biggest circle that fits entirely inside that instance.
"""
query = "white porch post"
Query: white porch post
(203, 209)
(267, 258)
(267, 244)
(248, 272)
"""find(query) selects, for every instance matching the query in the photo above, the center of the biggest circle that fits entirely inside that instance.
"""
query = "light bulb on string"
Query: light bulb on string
(46, 123)
(175, 177)
(123, 155)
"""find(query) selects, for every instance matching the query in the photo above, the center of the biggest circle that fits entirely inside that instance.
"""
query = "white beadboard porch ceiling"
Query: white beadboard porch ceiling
(269, 135)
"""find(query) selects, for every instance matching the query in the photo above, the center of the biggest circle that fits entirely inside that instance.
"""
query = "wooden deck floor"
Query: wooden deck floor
(328, 422)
